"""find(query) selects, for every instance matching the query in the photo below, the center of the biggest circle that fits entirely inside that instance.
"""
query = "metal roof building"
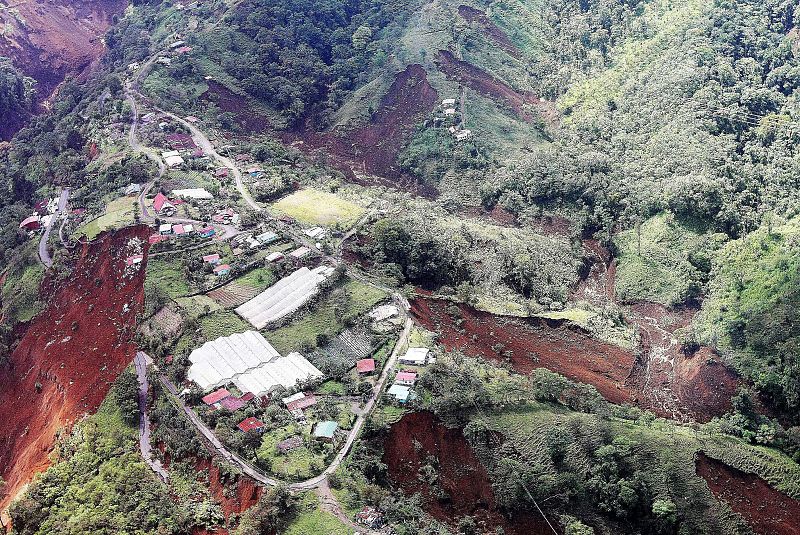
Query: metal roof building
(248, 361)
(283, 297)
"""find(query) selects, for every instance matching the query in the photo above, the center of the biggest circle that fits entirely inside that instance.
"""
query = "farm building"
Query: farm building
(221, 271)
(274, 257)
(384, 312)
(300, 252)
(326, 430)
(206, 232)
(365, 366)
(163, 206)
(315, 232)
(165, 228)
(291, 443)
(215, 397)
(199, 194)
(31, 223)
(401, 393)
(133, 189)
(232, 404)
(283, 297)
(172, 158)
(212, 259)
(415, 356)
(405, 378)
(265, 238)
(448, 102)
(302, 403)
(248, 361)
(250, 424)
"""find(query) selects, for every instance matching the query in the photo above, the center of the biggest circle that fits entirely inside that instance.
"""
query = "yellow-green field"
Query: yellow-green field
(119, 213)
(316, 207)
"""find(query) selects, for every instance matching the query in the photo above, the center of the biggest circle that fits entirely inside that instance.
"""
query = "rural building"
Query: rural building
(365, 366)
(448, 103)
(165, 228)
(199, 194)
(405, 378)
(178, 229)
(370, 517)
(248, 361)
(133, 189)
(284, 297)
(222, 172)
(183, 50)
(191, 119)
(163, 206)
(177, 44)
(212, 259)
(315, 232)
(293, 397)
(172, 158)
(215, 397)
(463, 134)
(207, 232)
(133, 260)
(274, 257)
(291, 443)
(31, 223)
(250, 424)
(232, 404)
(265, 238)
(157, 238)
(188, 228)
(401, 393)
(326, 430)
(224, 216)
(384, 312)
(450, 111)
(180, 141)
(415, 356)
(221, 271)
(302, 403)
(300, 252)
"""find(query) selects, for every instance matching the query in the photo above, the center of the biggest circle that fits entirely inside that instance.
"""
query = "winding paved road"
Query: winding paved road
(44, 251)
(140, 363)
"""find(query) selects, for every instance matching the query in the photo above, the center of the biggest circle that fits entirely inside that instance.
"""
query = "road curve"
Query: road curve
(140, 362)
(44, 252)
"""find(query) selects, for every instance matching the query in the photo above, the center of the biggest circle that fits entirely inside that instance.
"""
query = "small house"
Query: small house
(188, 228)
(215, 397)
(365, 366)
(302, 403)
(405, 378)
(221, 271)
(401, 393)
(165, 228)
(163, 206)
(31, 223)
(133, 189)
(222, 172)
(191, 119)
(325, 431)
(300, 252)
(314, 232)
(183, 50)
(213, 259)
(370, 517)
(274, 257)
(450, 112)
(415, 356)
(157, 238)
(178, 229)
(266, 238)
(384, 312)
(133, 260)
(172, 158)
(291, 443)
(448, 103)
(250, 424)
(232, 404)
(207, 232)
(463, 134)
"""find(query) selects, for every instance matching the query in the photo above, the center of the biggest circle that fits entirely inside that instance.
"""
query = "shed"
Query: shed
(165, 228)
(401, 393)
(212, 259)
(274, 257)
(222, 270)
(415, 356)
(250, 424)
(216, 396)
(232, 404)
(365, 366)
(31, 223)
(302, 403)
(325, 430)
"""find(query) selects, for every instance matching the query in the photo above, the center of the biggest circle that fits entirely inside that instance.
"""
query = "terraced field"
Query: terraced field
(234, 294)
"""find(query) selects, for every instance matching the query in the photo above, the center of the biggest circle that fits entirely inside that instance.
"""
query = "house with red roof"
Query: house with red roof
(163, 206)
(212, 259)
(31, 223)
(365, 366)
(405, 378)
(302, 403)
(221, 271)
(178, 229)
(156, 238)
(232, 404)
(250, 424)
(215, 397)
(133, 260)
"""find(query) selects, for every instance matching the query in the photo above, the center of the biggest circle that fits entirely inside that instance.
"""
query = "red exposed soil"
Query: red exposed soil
(372, 149)
(70, 354)
(58, 38)
(235, 497)
(531, 344)
(767, 511)
(248, 118)
(485, 84)
(476, 16)
(462, 478)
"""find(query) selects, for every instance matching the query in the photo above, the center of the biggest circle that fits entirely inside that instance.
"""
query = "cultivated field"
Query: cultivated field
(316, 207)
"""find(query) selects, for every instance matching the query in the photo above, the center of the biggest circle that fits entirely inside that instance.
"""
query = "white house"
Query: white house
(415, 356)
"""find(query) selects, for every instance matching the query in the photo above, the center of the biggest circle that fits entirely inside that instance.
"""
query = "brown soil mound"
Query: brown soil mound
(462, 486)
(55, 39)
(489, 28)
(248, 118)
(372, 149)
(705, 385)
(70, 354)
(485, 84)
(767, 511)
(235, 496)
(531, 344)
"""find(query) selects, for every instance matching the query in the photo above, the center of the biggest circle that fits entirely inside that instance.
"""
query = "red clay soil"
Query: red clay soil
(373, 148)
(489, 28)
(486, 85)
(248, 118)
(532, 344)
(69, 355)
(767, 511)
(58, 38)
(419, 436)
(235, 497)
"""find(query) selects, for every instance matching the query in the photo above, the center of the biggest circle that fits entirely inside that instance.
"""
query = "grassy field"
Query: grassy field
(222, 323)
(195, 306)
(167, 275)
(300, 463)
(21, 290)
(316, 207)
(118, 213)
(260, 278)
(313, 521)
(325, 318)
